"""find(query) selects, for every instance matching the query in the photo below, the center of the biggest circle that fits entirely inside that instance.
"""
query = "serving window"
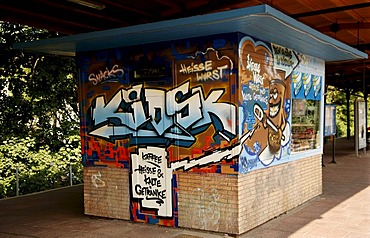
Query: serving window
(305, 124)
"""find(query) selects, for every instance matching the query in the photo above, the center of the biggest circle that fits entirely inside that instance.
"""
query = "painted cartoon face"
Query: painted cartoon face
(274, 102)
(277, 91)
(275, 111)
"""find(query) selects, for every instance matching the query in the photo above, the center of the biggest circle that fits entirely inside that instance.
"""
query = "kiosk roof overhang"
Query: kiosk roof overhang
(263, 22)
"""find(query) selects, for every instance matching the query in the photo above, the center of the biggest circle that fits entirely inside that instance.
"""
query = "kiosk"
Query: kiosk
(212, 122)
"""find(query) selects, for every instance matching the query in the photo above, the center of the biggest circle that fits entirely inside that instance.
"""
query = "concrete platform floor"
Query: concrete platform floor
(343, 210)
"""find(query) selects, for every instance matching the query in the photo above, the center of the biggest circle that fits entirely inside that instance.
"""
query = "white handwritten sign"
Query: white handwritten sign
(149, 181)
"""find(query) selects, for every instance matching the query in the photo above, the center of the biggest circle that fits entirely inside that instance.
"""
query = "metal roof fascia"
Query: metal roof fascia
(288, 32)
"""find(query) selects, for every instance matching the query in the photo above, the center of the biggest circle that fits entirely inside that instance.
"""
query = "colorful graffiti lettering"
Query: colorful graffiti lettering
(108, 75)
(208, 72)
(152, 116)
(211, 67)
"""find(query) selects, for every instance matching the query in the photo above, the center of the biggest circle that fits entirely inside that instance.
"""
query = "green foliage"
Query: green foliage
(38, 94)
(39, 168)
(39, 126)
(334, 96)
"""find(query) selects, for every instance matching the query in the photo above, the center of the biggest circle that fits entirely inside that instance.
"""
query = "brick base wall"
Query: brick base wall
(235, 204)
(217, 202)
(267, 193)
(208, 201)
(106, 192)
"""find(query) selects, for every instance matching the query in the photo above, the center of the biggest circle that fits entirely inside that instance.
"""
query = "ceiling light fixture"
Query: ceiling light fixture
(88, 3)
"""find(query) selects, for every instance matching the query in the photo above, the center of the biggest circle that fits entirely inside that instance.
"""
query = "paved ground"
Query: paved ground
(343, 210)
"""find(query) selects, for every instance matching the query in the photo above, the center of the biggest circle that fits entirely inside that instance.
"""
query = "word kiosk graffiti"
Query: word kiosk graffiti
(150, 115)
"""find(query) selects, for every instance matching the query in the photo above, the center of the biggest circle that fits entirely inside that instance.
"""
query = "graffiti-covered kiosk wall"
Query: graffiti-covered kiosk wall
(203, 132)
(213, 122)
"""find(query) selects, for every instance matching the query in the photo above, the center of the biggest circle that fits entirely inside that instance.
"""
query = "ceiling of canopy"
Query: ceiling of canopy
(345, 20)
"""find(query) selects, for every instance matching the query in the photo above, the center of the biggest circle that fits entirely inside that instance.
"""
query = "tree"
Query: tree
(39, 130)
(37, 93)
(338, 97)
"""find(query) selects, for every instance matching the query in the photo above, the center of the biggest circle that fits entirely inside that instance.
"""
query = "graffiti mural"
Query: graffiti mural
(269, 80)
(264, 71)
(217, 104)
(157, 109)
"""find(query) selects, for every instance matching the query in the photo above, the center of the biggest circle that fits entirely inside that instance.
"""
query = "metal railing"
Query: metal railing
(70, 175)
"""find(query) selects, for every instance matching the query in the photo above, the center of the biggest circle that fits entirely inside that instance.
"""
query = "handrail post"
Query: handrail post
(17, 181)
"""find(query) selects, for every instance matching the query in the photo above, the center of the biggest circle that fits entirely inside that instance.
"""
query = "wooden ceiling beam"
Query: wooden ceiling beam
(206, 7)
(353, 14)
(331, 10)
(45, 17)
(39, 24)
(128, 8)
(173, 8)
(170, 4)
(335, 27)
(353, 63)
(100, 15)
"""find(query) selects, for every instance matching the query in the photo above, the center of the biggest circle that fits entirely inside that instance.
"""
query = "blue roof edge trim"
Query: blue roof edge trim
(262, 21)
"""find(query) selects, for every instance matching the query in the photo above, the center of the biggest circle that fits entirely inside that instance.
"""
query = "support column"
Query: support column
(365, 90)
(348, 96)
